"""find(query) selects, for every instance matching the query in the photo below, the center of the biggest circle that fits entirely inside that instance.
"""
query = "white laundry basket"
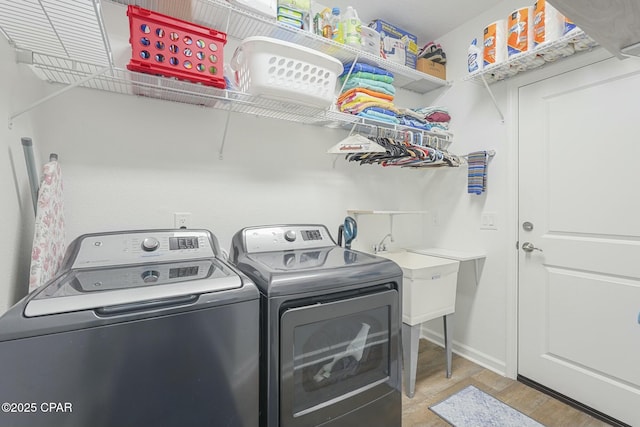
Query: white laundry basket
(285, 71)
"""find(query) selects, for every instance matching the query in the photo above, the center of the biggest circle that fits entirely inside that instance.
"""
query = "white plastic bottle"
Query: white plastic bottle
(336, 23)
(352, 27)
(327, 28)
(474, 57)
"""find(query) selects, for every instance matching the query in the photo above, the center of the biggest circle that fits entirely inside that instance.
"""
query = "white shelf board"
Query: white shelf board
(374, 212)
(450, 254)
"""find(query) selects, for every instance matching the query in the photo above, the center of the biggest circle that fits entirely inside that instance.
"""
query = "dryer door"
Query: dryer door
(337, 357)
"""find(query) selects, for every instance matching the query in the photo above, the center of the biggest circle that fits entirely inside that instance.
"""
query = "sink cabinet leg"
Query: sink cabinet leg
(410, 340)
(448, 332)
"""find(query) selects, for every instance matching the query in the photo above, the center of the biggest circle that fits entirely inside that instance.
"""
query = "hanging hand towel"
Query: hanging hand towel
(49, 238)
(477, 183)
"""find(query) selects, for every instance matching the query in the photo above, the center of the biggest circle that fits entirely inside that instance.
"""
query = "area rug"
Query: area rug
(471, 407)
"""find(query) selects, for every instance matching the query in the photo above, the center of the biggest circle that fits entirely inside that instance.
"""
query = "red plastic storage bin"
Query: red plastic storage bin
(171, 47)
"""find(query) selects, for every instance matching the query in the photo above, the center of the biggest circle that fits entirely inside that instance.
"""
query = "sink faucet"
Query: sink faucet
(380, 247)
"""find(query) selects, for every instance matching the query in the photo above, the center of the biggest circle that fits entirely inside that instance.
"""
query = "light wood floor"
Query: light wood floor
(432, 387)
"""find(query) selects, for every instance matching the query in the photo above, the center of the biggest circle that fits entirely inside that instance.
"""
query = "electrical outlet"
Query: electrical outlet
(182, 219)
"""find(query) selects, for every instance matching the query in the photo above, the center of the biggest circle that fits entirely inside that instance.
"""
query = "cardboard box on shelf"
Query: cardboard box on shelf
(432, 68)
(398, 45)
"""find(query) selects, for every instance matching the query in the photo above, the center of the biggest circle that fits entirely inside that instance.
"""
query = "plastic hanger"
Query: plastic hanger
(356, 143)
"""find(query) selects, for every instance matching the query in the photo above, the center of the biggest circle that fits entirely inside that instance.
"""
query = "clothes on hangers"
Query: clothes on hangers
(405, 154)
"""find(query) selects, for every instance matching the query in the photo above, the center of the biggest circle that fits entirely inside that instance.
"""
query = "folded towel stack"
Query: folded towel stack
(435, 118)
(368, 92)
(412, 119)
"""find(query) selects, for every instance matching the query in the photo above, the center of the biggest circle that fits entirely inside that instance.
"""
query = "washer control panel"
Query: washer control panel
(142, 275)
(99, 250)
(286, 237)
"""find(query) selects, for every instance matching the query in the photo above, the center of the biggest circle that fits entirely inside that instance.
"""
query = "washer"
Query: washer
(330, 328)
(140, 328)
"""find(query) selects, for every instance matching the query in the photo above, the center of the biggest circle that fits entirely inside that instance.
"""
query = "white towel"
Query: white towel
(49, 238)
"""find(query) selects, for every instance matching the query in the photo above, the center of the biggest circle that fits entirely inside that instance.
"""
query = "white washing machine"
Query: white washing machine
(140, 328)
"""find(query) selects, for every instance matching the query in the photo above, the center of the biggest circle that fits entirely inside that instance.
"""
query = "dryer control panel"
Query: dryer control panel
(100, 250)
(286, 237)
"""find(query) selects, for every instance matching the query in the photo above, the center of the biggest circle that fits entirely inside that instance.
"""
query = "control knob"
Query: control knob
(150, 244)
(150, 276)
(290, 235)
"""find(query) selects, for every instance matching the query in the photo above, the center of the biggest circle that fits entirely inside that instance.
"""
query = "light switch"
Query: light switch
(488, 221)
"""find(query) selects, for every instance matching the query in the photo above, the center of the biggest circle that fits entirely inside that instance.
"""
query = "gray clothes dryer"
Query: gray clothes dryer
(330, 328)
(142, 328)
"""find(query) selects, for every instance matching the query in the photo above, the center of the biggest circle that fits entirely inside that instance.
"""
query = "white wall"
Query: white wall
(17, 90)
(480, 329)
(131, 162)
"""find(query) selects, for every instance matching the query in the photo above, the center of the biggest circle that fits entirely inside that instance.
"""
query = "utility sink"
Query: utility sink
(428, 292)
(428, 285)
(415, 265)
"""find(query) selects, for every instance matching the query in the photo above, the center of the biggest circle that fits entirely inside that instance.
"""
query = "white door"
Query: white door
(579, 294)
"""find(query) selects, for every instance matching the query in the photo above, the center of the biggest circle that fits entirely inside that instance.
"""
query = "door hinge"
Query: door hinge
(517, 245)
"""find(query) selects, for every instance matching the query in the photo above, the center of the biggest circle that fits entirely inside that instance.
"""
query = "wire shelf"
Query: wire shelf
(66, 28)
(65, 42)
(379, 128)
(543, 54)
(70, 72)
(240, 23)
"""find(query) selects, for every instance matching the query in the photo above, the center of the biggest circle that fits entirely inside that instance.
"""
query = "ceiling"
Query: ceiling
(427, 19)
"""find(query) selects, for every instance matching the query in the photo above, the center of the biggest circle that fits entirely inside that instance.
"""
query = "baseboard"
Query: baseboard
(469, 353)
(574, 403)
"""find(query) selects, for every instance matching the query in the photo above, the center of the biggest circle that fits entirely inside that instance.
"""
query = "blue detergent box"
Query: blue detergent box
(397, 45)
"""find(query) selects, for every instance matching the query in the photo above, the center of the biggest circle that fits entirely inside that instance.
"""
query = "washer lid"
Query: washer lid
(88, 289)
(282, 261)
(321, 269)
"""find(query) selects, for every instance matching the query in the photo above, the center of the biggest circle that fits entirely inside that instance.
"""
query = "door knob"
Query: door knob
(528, 247)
